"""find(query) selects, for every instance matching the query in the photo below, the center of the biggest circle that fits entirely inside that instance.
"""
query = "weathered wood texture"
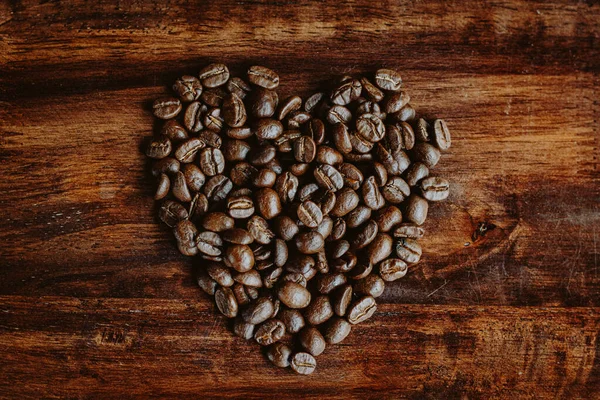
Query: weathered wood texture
(514, 312)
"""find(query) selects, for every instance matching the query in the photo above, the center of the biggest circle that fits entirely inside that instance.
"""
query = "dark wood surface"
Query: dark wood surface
(95, 301)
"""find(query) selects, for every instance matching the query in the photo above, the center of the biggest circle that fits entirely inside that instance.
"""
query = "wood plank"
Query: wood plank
(114, 348)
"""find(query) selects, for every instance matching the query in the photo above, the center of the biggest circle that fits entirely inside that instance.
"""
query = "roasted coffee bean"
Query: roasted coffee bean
(188, 88)
(292, 103)
(325, 200)
(301, 263)
(380, 174)
(271, 275)
(388, 79)
(325, 227)
(337, 330)
(185, 232)
(259, 311)
(263, 103)
(174, 131)
(416, 209)
(341, 138)
(338, 248)
(365, 235)
(415, 173)
(214, 75)
(310, 214)
(285, 227)
(426, 153)
(162, 188)
(234, 111)
(346, 92)
(396, 190)
(371, 285)
(194, 116)
(361, 270)
(312, 102)
(361, 310)
(408, 250)
(340, 299)
(226, 302)
(194, 177)
(285, 141)
(409, 231)
(346, 201)
(358, 216)
(371, 91)
(237, 236)
(345, 263)
(297, 118)
(318, 311)
(380, 248)
(241, 295)
(186, 151)
(262, 155)
(422, 130)
(369, 107)
(249, 278)
(328, 282)
(441, 134)
(259, 230)
(308, 191)
(279, 354)
(206, 283)
(180, 189)
(268, 129)
(167, 165)
(304, 149)
(264, 178)
(299, 169)
(360, 144)
(339, 114)
(395, 101)
(268, 203)
(214, 97)
(238, 87)
(209, 243)
(239, 257)
(392, 269)
(280, 255)
(269, 332)
(329, 155)
(286, 187)
(303, 363)
(242, 173)
(159, 148)
(395, 163)
(312, 340)
(241, 133)
(198, 206)
(370, 127)
(217, 188)
(294, 295)
(371, 195)
(295, 277)
(213, 120)
(321, 264)
(166, 107)
(263, 77)
(243, 329)
(387, 218)
(212, 139)
(240, 207)
(292, 319)
(353, 178)
(328, 177)
(172, 212)
(235, 150)
(406, 114)
(315, 129)
(309, 242)
(434, 188)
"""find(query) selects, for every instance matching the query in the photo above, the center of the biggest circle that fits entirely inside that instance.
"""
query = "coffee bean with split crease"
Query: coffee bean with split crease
(214, 97)
(217, 188)
(346, 92)
(415, 173)
(318, 311)
(365, 235)
(198, 207)
(341, 138)
(186, 151)
(328, 177)
(371, 285)
(285, 227)
(426, 153)
(371, 195)
(194, 177)
(209, 243)
(416, 209)
(242, 173)
(174, 131)
(185, 233)
(212, 139)
(220, 274)
(180, 189)
(214, 75)
(338, 248)
(311, 339)
(162, 188)
(268, 203)
(388, 79)
(325, 199)
(240, 207)
(434, 188)
(237, 236)
(194, 116)
(380, 173)
(167, 165)
(213, 120)
(408, 250)
(294, 295)
(234, 111)
(339, 114)
(166, 107)
(295, 277)
(340, 299)
(345, 263)
(279, 354)
(360, 144)
(172, 212)
(309, 242)
(259, 311)
(206, 283)
(304, 149)
(271, 276)
(441, 134)
(422, 130)
(188, 88)
(409, 231)
(370, 127)
(310, 214)
(321, 264)
(263, 77)
(392, 269)
(361, 310)
(337, 330)
(284, 142)
(269, 332)
(352, 176)
(238, 87)
(226, 302)
(268, 129)
(313, 101)
(292, 103)
(159, 147)
(259, 230)
(396, 190)
(262, 155)
(303, 363)
(395, 101)
(371, 91)
(243, 329)
(249, 278)
(315, 129)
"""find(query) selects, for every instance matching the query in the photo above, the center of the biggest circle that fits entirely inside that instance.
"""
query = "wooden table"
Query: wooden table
(95, 300)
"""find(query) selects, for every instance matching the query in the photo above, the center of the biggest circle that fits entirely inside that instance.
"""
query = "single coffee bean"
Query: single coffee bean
(237, 236)
(263, 77)
(243, 132)
(303, 363)
(279, 354)
(345, 263)
(338, 248)
(213, 120)
(292, 103)
(209, 243)
(426, 153)
(292, 319)
(441, 134)
(214, 97)
(259, 311)
(226, 302)
(312, 102)
(295, 277)
(239, 257)
(198, 207)
(206, 283)
(371, 91)
(180, 189)
(361, 310)
(299, 169)
(340, 300)
(358, 216)
(263, 103)
(159, 148)
(238, 87)
(392, 269)
(409, 231)
(416, 209)
(387, 218)
(186, 151)
(281, 253)
(162, 188)
(185, 232)
(234, 111)
(167, 165)
(242, 173)
(194, 116)
(346, 201)
(388, 79)
(315, 129)
(339, 114)
(262, 155)
(371, 195)
(370, 127)
(174, 131)
(406, 114)
(395, 163)
(362, 270)
(422, 130)
(369, 107)
(166, 107)
(380, 174)
(235, 150)
(371, 285)
(337, 330)
(188, 88)
(379, 249)
(365, 235)
(360, 144)
(240, 207)
(312, 340)
(308, 191)
(294, 295)
(249, 278)
(353, 178)
(187, 249)
(310, 214)
(268, 129)
(214, 75)
(408, 250)
(329, 155)
(300, 264)
(395, 101)
(271, 275)
(415, 173)
(346, 92)
(325, 227)
(297, 118)
(217, 188)
(269, 332)
(285, 227)
(259, 230)
(286, 187)
(321, 264)
(328, 177)
(326, 200)
(264, 178)
(268, 203)
(304, 149)
(328, 282)
(243, 329)
(172, 212)
(318, 311)
(241, 296)
(194, 177)
(435, 189)
(341, 138)
(396, 190)
(309, 242)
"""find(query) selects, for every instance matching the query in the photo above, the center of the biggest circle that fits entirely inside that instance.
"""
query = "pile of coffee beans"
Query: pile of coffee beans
(298, 211)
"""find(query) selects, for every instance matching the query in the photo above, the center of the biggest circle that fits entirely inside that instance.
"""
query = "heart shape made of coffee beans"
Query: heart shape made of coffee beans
(297, 211)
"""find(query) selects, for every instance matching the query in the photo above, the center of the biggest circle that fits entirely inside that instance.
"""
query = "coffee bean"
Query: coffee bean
(172, 212)
(345, 263)
(263, 77)
(338, 114)
(240, 207)
(285, 227)
(213, 97)
(269, 332)
(434, 188)
(243, 329)
(326, 200)
(380, 248)
(315, 129)
(337, 330)
(217, 188)
(387, 218)
(214, 75)
(242, 173)
(346, 92)
(321, 264)
(371, 195)
(263, 103)
(180, 189)
(194, 116)
(186, 151)
(194, 177)
(303, 363)
(341, 138)
(226, 302)
(279, 354)
(292, 319)
(262, 155)
(309, 242)
(241, 133)
(370, 127)
(198, 206)
(388, 79)
(408, 250)
(166, 107)
(361, 310)
(416, 209)
(268, 203)
(297, 118)
(159, 148)
(353, 178)
(441, 134)
(286, 187)
(310, 214)
(328, 177)
(371, 285)
(415, 173)
(209, 243)
(409, 231)
(185, 233)
(300, 264)
(271, 275)
(329, 155)
(340, 300)
(294, 295)
(167, 165)
(237, 236)
(318, 311)
(174, 131)
(264, 178)
(426, 153)
(213, 120)
(358, 216)
(234, 111)
(392, 269)
(361, 270)
(188, 88)
(338, 248)
(259, 230)
(292, 103)
(249, 278)
(281, 253)
(360, 144)
(304, 149)
(406, 114)
(163, 186)
(328, 282)
(259, 311)
(239, 257)
(346, 201)
(371, 91)
(206, 283)
(365, 235)
(295, 277)
(395, 101)
(312, 340)
(396, 190)
(268, 129)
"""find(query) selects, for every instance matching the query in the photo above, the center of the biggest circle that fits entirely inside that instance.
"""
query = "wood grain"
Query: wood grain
(96, 301)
